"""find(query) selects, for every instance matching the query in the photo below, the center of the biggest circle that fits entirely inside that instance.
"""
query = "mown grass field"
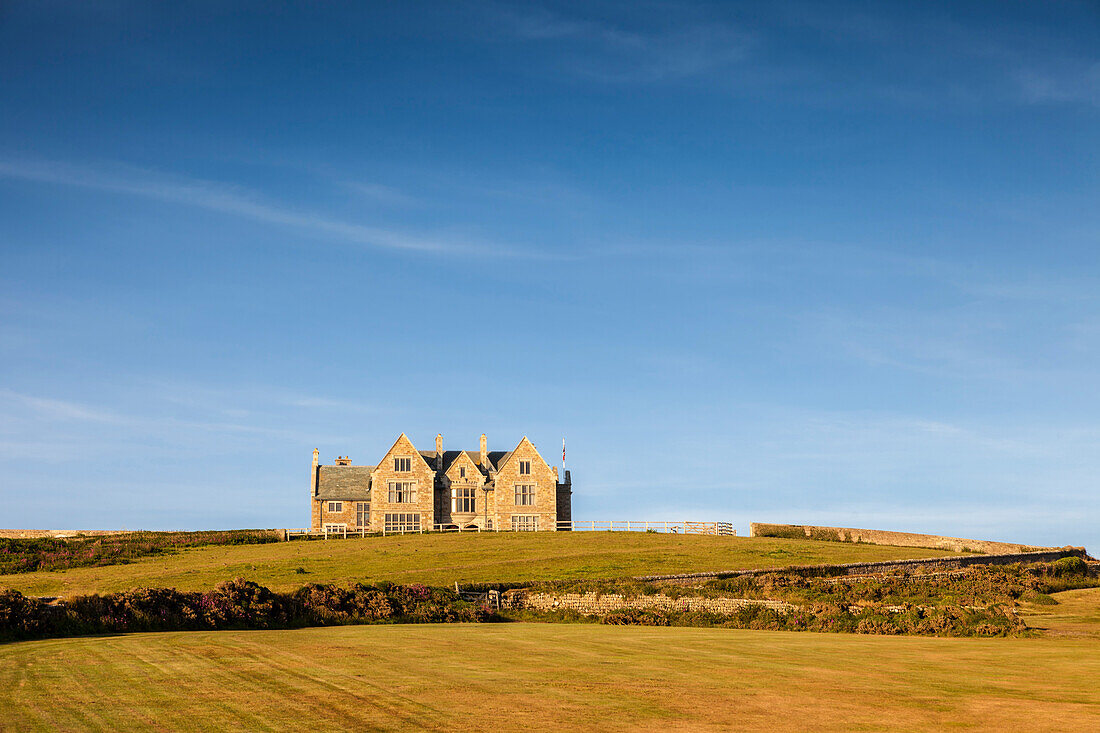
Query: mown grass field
(547, 677)
(441, 560)
(1076, 615)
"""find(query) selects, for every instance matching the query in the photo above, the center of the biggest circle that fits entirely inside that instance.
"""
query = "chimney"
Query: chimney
(343, 461)
(313, 475)
(484, 453)
(439, 452)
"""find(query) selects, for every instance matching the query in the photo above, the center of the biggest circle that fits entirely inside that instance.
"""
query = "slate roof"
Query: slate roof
(353, 482)
(344, 482)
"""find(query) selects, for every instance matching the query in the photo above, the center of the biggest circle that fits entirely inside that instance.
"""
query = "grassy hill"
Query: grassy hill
(436, 559)
(536, 676)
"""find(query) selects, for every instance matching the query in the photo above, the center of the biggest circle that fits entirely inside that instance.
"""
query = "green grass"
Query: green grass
(441, 560)
(1075, 613)
(19, 555)
(546, 677)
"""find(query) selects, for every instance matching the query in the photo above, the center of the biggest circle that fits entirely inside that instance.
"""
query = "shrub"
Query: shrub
(1069, 567)
(1039, 599)
(635, 617)
(21, 616)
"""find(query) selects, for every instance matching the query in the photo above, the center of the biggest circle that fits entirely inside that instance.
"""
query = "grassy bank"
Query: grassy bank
(49, 553)
(523, 676)
(443, 559)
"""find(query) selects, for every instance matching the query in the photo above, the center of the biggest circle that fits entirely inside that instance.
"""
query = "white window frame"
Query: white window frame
(464, 496)
(335, 507)
(401, 522)
(525, 468)
(362, 514)
(529, 494)
(336, 527)
(525, 523)
(401, 492)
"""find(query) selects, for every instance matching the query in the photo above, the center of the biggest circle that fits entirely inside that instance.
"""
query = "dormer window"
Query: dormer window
(525, 468)
(402, 465)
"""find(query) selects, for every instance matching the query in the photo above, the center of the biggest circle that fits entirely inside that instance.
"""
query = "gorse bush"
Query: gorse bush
(975, 586)
(48, 553)
(1069, 567)
(236, 604)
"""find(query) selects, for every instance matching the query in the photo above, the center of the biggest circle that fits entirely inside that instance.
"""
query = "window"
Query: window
(462, 472)
(402, 465)
(525, 524)
(402, 492)
(336, 506)
(336, 528)
(362, 514)
(525, 468)
(463, 500)
(525, 495)
(402, 523)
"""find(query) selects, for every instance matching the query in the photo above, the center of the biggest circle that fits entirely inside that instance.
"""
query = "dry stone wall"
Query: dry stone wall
(881, 566)
(33, 534)
(595, 604)
(884, 537)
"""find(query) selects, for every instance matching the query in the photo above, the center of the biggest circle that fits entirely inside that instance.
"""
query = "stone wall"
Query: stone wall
(594, 604)
(420, 474)
(870, 568)
(543, 477)
(883, 537)
(62, 534)
(28, 534)
(348, 514)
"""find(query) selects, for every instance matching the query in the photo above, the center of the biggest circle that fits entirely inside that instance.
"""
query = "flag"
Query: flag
(563, 451)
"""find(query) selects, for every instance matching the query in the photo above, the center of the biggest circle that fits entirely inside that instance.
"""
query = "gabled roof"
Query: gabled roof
(451, 456)
(498, 457)
(508, 456)
(420, 454)
(344, 482)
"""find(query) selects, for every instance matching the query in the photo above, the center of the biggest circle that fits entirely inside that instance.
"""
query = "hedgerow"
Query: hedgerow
(235, 604)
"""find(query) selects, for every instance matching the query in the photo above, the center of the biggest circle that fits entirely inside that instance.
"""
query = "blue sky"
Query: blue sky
(831, 263)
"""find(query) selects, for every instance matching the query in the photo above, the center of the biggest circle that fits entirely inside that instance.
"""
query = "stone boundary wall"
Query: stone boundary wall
(64, 534)
(870, 568)
(884, 537)
(595, 604)
(34, 534)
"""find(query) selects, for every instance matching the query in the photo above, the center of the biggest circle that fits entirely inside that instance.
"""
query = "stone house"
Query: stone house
(410, 490)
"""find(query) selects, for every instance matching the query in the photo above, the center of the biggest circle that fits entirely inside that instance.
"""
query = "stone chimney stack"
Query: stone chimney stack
(313, 475)
(484, 453)
(439, 452)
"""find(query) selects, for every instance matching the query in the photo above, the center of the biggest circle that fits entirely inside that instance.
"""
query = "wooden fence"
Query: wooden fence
(722, 529)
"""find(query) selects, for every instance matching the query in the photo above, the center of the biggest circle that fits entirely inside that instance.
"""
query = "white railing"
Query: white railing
(722, 529)
(715, 528)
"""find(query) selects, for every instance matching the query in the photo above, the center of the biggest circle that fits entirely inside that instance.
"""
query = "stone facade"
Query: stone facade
(410, 490)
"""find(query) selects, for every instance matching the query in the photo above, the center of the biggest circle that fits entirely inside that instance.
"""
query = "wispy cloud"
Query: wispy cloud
(53, 409)
(613, 53)
(381, 194)
(1081, 86)
(235, 201)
